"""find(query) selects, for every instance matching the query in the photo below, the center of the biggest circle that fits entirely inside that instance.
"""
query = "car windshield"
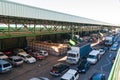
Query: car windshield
(92, 56)
(42, 78)
(62, 79)
(1, 54)
(6, 65)
(45, 52)
(101, 50)
(28, 56)
(82, 64)
(17, 60)
(71, 55)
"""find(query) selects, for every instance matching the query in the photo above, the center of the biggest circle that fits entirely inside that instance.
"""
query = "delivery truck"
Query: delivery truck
(77, 53)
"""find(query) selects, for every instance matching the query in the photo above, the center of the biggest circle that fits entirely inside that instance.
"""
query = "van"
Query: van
(71, 74)
(93, 56)
(5, 66)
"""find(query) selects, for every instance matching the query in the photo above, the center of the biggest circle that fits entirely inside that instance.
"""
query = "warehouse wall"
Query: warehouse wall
(11, 43)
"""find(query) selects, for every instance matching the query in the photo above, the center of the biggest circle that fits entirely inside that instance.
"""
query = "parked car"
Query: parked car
(58, 69)
(98, 76)
(27, 58)
(3, 56)
(39, 78)
(71, 74)
(5, 66)
(83, 66)
(15, 60)
(8, 52)
(43, 52)
(37, 55)
(16, 51)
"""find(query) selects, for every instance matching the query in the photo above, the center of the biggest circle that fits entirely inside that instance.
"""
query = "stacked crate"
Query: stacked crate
(52, 48)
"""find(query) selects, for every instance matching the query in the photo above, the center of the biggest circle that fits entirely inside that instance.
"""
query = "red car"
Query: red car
(37, 55)
(8, 53)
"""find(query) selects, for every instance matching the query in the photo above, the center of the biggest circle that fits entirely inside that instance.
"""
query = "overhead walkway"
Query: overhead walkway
(115, 72)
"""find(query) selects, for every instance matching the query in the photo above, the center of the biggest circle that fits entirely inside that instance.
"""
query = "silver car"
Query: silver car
(15, 60)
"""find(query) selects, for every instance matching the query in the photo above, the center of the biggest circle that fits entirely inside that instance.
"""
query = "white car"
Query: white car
(27, 58)
(3, 56)
(40, 78)
(15, 60)
(71, 74)
(93, 56)
(44, 53)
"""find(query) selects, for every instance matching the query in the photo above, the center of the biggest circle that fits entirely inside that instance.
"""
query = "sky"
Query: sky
(102, 10)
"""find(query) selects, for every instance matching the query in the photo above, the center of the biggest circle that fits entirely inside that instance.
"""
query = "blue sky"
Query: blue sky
(103, 10)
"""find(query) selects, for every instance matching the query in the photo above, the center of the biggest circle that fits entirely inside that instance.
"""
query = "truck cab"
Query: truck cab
(73, 57)
(76, 53)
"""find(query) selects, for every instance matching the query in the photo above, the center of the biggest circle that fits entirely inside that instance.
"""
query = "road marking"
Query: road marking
(110, 55)
(105, 65)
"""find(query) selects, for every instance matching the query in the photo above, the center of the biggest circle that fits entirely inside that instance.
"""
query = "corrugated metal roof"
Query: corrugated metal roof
(9, 8)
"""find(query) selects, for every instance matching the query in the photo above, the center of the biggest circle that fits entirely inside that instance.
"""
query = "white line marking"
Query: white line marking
(105, 65)
(110, 55)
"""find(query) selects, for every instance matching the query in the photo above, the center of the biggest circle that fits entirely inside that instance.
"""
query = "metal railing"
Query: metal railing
(115, 71)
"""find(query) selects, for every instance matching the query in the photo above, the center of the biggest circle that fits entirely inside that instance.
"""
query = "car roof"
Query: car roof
(3, 62)
(94, 52)
(69, 74)
(24, 54)
(43, 51)
(15, 57)
(97, 75)
(59, 65)
(71, 71)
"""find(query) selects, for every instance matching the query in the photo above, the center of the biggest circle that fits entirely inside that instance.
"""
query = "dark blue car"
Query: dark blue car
(98, 76)
(83, 66)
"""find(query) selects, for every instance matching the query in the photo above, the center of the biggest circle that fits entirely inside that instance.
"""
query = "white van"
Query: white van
(93, 56)
(71, 74)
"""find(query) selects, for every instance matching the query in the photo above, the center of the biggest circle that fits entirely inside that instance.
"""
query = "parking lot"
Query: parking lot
(42, 68)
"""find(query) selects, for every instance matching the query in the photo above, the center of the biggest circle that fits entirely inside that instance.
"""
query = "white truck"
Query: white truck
(76, 53)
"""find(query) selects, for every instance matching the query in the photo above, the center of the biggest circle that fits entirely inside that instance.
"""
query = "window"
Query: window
(72, 78)
(10, 59)
(76, 74)
(6, 65)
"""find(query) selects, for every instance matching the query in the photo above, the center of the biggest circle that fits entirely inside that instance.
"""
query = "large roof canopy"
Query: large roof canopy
(8, 8)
